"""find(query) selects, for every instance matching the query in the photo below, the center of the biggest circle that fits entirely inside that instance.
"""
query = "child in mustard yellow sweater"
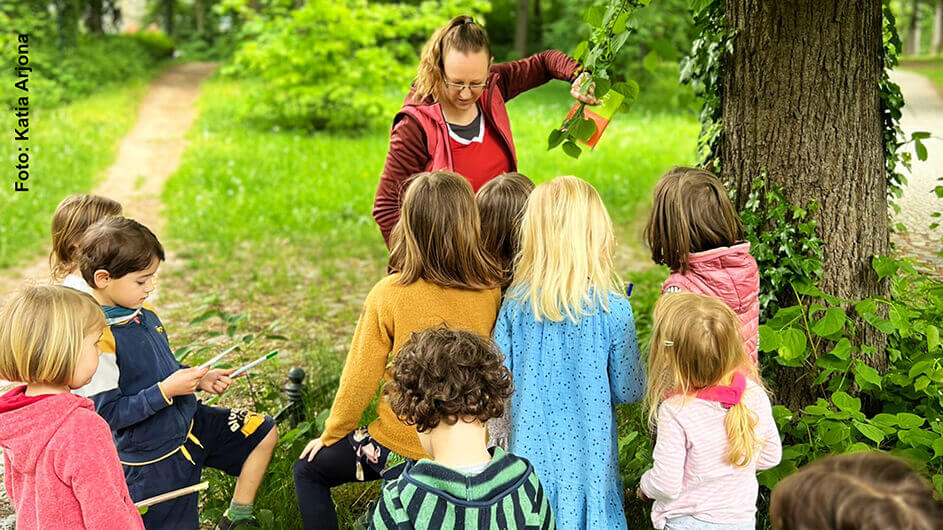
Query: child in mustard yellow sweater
(441, 275)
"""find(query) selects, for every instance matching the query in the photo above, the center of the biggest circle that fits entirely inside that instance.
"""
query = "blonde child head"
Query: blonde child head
(73, 216)
(501, 203)
(564, 265)
(690, 213)
(696, 344)
(49, 336)
(438, 235)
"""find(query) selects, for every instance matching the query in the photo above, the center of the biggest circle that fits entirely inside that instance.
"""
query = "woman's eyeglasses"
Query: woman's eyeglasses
(474, 88)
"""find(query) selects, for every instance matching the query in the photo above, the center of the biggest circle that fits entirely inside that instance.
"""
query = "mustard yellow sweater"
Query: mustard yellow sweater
(391, 312)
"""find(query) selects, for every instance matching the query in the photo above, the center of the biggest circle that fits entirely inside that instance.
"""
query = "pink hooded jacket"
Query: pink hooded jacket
(729, 274)
(61, 466)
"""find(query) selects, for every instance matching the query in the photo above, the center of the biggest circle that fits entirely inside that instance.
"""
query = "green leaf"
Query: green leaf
(845, 402)
(594, 16)
(938, 447)
(771, 477)
(769, 339)
(651, 61)
(920, 368)
(816, 410)
(938, 483)
(619, 41)
(884, 266)
(921, 150)
(842, 349)
(907, 420)
(582, 129)
(602, 87)
(918, 437)
(556, 137)
(858, 447)
(571, 149)
(920, 135)
(784, 317)
(933, 337)
(885, 420)
(793, 344)
(629, 90)
(620, 24)
(869, 431)
(580, 51)
(865, 375)
(831, 323)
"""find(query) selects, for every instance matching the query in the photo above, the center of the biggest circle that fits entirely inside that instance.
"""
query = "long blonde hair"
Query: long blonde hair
(41, 333)
(461, 34)
(696, 344)
(438, 235)
(72, 218)
(564, 266)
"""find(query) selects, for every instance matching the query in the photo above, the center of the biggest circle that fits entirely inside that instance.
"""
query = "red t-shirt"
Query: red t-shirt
(482, 158)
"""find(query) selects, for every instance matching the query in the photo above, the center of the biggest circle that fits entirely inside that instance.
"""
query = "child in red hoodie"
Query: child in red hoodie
(62, 469)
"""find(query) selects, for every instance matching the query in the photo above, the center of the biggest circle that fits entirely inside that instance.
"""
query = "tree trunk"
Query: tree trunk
(169, 17)
(913, 32)
(936, 43)
(93, 16)
(198, 9)
(520, 30)
(801, 101)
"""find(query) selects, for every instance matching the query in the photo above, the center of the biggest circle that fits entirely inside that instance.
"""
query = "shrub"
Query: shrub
(298, 53)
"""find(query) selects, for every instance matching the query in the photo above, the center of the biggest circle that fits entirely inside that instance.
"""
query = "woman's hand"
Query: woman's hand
(589, 97)
(312, 449)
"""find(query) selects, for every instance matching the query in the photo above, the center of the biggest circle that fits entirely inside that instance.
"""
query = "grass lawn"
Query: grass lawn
(275, 225)
(61, 163)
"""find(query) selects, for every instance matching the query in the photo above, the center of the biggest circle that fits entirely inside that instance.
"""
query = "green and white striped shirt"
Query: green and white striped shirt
(506, 495)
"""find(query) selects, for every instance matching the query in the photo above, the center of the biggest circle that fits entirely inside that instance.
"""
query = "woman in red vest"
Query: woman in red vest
(455, 118)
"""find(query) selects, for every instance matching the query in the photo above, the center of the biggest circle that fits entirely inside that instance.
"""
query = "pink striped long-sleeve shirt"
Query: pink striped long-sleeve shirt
(691, 476)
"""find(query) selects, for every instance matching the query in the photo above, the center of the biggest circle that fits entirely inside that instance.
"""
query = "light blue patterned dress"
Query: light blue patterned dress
(567, 379)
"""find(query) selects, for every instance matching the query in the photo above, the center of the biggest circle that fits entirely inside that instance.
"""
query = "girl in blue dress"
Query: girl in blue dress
(568, 336)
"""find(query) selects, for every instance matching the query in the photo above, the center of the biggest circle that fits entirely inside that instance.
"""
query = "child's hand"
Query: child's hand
(216, 381)
(183, 382)
(311, 450)
(641, 494)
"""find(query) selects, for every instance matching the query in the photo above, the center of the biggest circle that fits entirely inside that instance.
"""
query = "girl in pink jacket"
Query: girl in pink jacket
(695, 231)
(61, 466)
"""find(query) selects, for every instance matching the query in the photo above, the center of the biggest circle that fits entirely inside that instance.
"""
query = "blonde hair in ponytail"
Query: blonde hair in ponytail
(461, 34)
(696, 344)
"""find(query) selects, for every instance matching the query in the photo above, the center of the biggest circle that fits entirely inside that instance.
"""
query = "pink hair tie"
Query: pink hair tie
(727, 396)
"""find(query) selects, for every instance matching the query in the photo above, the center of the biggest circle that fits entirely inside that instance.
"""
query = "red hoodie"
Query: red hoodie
(62, 469)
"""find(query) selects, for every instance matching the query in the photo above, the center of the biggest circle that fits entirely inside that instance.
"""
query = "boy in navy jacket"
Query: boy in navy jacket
(163, 435)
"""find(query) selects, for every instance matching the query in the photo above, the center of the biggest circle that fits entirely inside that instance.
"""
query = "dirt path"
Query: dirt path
(923, 112)
(146, 157)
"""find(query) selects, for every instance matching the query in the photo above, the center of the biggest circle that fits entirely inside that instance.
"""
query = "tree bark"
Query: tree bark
(198, 9)
(168, 6)
(913, 31)
(936, 43)
(93, 16)
(801, 102)
(520, 29)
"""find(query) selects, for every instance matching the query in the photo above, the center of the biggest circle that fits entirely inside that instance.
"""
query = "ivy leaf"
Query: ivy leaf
(831, 323)
(865, 375)
(571, 149)
(907, 420)
(556, 137)
(869, 431)
(938, 447)
(842, 350)
(845, 402)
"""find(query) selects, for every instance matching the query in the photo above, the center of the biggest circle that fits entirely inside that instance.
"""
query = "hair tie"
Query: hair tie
(669, 343)
(468, 20)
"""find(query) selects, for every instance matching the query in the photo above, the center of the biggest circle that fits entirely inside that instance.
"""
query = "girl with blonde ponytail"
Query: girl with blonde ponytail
(713, 419)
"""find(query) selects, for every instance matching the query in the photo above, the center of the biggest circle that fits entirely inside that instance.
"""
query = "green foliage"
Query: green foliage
(783, 241)
(611, 26)
(906, 402)
(702, 68)
(355, 54)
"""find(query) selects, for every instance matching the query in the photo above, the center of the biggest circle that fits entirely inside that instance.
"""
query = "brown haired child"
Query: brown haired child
(449, 384)
(695, 231)
(440, 275)
(856, 491)
(501, 205)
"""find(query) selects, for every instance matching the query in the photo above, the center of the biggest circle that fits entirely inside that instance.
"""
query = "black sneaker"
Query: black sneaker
(226, 524)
